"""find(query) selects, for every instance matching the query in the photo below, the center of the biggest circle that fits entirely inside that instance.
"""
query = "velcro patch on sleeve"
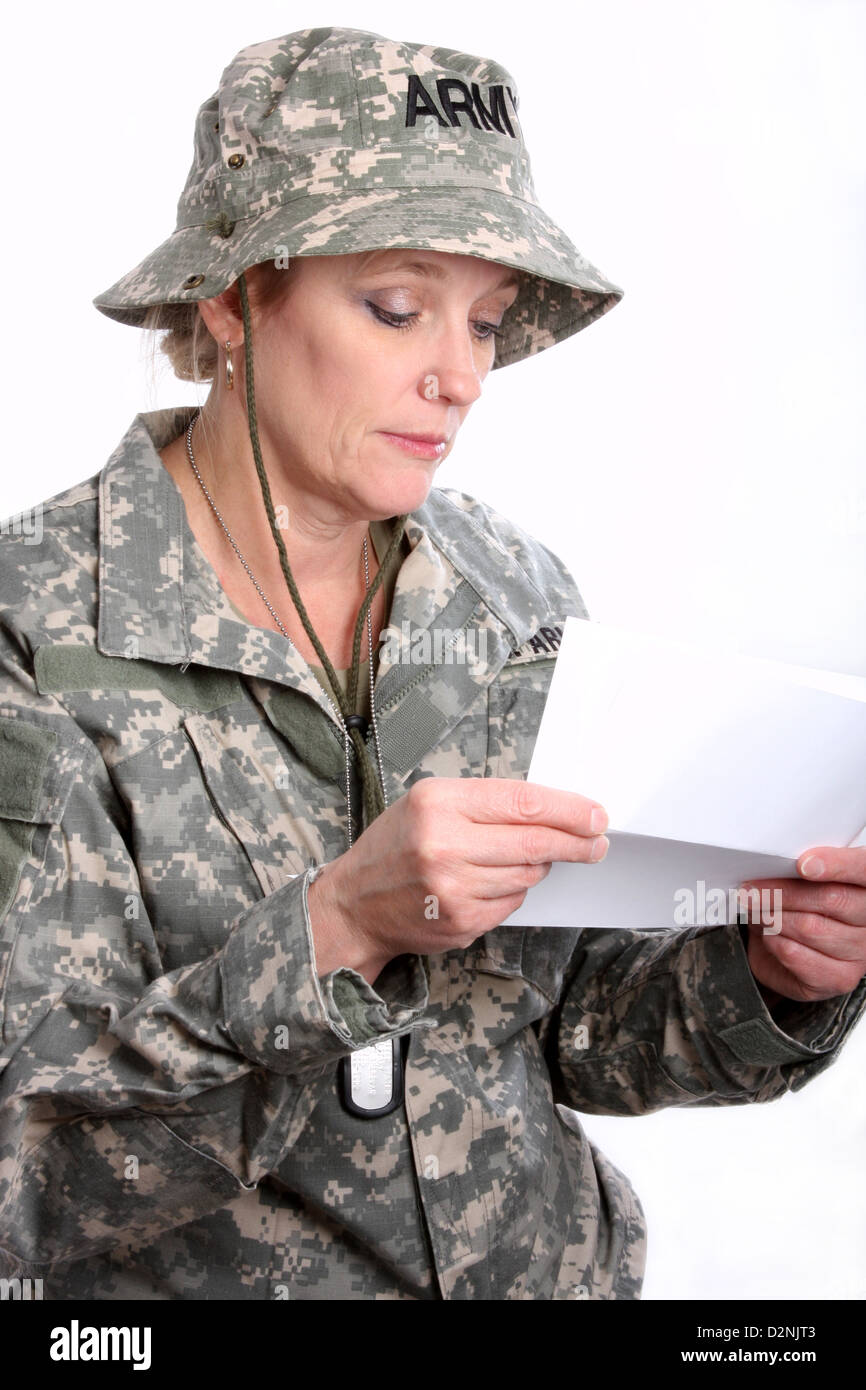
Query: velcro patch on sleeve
(25, 750)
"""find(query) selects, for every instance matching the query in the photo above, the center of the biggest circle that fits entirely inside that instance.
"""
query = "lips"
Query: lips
(419, 438)
(419, 446)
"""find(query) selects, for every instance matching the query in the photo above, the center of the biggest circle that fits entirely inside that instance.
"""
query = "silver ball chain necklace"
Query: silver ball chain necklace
(369, 1082)
(344, 725)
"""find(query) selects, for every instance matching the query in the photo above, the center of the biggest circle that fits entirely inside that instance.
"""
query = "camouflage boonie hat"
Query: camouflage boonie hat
(331, 141)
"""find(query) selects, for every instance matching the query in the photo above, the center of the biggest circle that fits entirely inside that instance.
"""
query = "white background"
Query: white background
(696, 456)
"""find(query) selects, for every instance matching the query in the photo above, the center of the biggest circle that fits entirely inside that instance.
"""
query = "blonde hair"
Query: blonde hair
(189, 344)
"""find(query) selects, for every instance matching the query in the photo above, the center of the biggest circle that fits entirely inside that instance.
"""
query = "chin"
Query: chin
(397, 496)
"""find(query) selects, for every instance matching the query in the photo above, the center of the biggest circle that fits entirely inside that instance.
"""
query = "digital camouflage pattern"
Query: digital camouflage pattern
(330, 141)
(168, 776)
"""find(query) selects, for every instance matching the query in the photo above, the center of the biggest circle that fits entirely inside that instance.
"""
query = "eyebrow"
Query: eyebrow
(433, 269)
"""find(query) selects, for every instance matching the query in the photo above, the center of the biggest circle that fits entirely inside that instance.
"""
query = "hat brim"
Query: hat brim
(562, 294)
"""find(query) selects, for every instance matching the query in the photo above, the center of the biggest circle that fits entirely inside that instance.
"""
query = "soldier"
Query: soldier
(263, 1034)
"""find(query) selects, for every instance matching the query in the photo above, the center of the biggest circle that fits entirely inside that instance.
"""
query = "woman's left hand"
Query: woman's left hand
(820, 951)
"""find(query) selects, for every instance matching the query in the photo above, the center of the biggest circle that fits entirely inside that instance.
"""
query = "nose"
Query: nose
(452, 370)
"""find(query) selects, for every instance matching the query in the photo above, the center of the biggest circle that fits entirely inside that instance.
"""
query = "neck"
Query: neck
(324, 551)
(323, 543)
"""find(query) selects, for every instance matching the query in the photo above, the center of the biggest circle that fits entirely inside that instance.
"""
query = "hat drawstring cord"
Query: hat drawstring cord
(374, 801)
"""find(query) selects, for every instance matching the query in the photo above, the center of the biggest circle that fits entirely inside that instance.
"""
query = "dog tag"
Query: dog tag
(370, 1080)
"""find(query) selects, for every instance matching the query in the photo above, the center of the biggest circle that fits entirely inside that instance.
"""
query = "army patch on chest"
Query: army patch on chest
(546, 642)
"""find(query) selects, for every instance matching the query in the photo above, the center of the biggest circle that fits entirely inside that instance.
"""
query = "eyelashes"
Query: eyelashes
(402, 321)
(386, 316)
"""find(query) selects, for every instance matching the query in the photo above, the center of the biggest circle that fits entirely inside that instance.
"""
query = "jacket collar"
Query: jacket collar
(160, 598)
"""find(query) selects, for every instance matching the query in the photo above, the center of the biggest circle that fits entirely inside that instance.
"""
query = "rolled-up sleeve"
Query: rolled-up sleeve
(646, 1021)
(280, 1013)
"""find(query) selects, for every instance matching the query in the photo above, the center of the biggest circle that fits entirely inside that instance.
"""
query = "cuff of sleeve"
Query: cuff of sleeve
(756, 1037)
(279, 1013)
(362, 1013)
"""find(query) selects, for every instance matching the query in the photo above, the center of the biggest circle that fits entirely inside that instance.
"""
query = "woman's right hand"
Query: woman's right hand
(442, 865)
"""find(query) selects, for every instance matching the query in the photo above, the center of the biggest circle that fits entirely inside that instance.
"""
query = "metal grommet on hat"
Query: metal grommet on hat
(370, 144)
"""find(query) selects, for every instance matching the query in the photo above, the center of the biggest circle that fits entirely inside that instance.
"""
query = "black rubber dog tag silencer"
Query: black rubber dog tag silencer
(370, 1080)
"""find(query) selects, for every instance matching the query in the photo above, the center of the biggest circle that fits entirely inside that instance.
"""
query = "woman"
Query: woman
(264, 1036)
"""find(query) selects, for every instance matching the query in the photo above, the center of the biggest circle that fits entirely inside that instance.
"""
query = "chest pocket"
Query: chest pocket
(222, 812)
(515, 706)
(285, 814)
(538, 955)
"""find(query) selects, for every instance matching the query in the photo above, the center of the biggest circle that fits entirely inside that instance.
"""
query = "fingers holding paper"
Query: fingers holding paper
(820, 951)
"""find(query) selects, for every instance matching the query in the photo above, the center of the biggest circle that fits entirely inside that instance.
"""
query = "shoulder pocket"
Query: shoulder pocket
(36, 777)
(38, 768)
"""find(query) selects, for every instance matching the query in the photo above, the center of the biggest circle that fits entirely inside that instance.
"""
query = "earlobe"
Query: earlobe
(222, 316)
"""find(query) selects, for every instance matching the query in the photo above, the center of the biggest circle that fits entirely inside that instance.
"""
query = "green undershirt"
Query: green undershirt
(381, 532)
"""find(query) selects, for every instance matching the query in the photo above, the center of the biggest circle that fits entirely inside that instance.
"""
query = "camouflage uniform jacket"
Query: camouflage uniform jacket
(168, 775)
